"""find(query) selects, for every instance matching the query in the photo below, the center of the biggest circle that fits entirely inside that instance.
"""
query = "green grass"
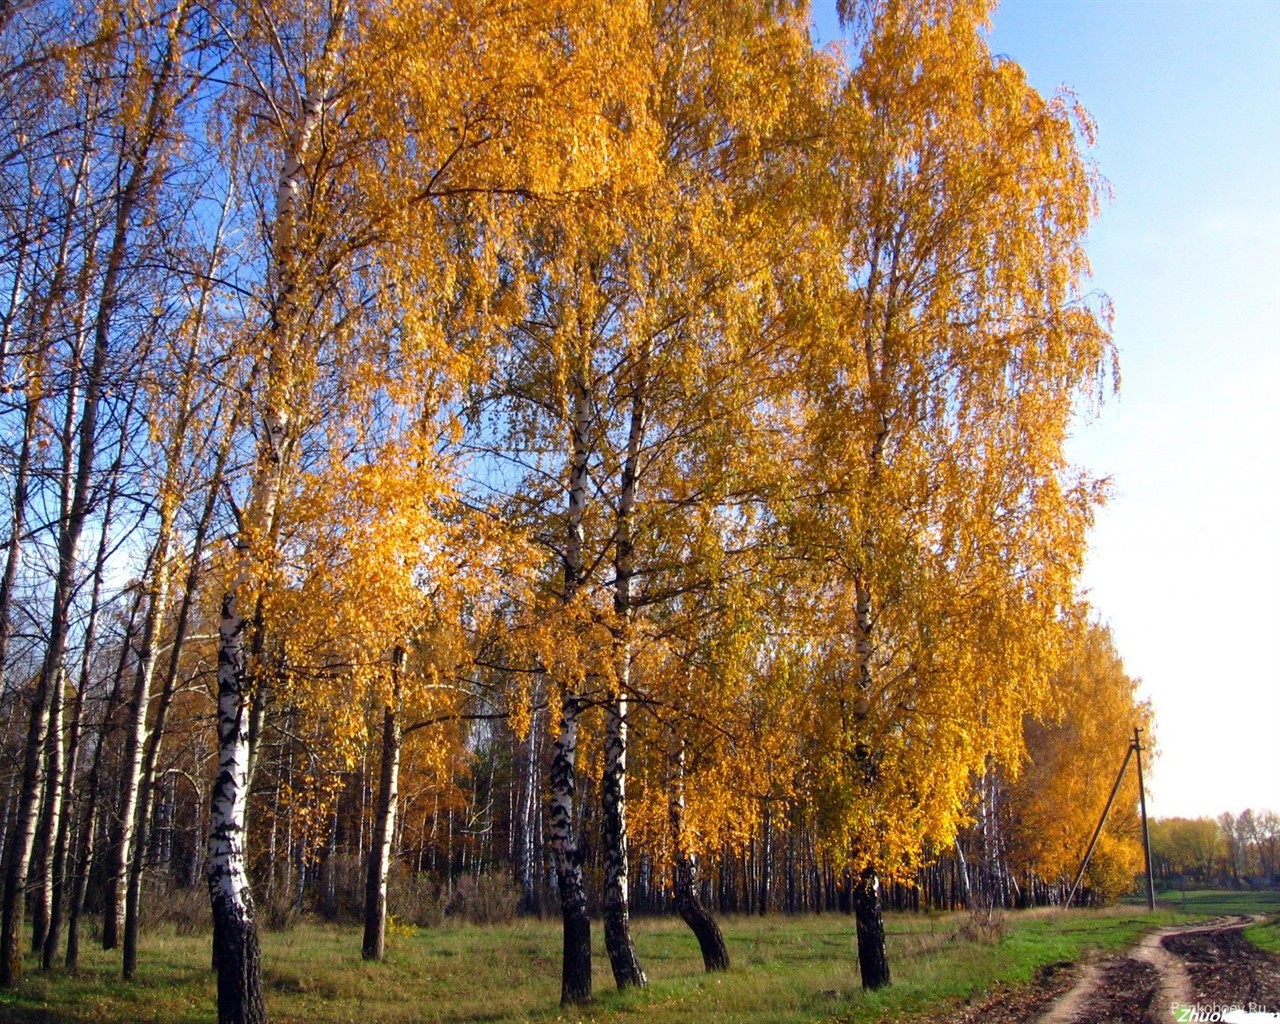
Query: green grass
(1265, 936)
(786, 970)
(1202, 903)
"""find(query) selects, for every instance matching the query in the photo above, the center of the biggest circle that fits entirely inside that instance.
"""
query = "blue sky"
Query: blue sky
(1185, 560)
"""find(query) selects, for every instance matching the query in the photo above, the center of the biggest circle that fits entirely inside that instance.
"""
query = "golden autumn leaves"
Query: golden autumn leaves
(851, 300)
(639, 353)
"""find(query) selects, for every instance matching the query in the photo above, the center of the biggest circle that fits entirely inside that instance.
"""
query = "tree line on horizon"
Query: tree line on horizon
(1231, 849)
(612, 446)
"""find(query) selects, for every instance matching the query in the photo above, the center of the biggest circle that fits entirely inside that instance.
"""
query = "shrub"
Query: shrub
(485, 899)
(984, 925)
(185, 908)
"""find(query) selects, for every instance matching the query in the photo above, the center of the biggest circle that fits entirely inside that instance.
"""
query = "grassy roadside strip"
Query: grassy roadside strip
(1265, 936)
(1032, 940)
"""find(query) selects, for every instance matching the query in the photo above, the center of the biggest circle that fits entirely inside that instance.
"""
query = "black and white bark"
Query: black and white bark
(124, 874)
(621, 948)
(715, 955)
(565, 843)
(236, 950)
(236, 954)
(384, 827)
(873, 961)
(151, 753)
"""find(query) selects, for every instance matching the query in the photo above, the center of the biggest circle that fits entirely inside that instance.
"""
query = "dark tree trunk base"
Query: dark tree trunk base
(110, 923)
(575, 977)
(10, 961)
(237, 957)
(627, 972)
(131, 926)
(873, 961)
(11, 929)
(375, 941)
(715, 955)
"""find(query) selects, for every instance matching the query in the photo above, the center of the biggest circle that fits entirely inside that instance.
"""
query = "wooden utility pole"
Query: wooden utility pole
(1146, 836)
(1135, 747)
(1098, 831)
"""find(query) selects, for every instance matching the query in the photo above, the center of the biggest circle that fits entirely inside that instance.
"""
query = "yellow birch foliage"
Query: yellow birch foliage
(414, 135)
(950, 523)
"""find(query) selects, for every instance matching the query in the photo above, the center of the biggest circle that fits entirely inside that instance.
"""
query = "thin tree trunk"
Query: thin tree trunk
(617, 931)
(566, 848)
(151, 755)
(88, 825)
(766, 856)
(135, 736)
(525, 853)
(17, 530)
(21, 839)
(51, 816)
(963, 870)
(715, 955)
(62, 840)
(15, 844)
(375, 892)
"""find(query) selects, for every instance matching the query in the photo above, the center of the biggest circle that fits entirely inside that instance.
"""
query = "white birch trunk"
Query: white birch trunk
(528, 895)
(236, 948)
(51, 817)
(617, 930)
(375, 909)
(135, 737)
(575, 980)
(715, 955)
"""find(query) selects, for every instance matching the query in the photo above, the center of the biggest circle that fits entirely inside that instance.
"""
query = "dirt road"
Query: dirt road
(1208, 967)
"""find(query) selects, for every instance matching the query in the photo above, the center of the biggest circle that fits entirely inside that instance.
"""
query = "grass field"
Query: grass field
(786, 970)
(1213, 902)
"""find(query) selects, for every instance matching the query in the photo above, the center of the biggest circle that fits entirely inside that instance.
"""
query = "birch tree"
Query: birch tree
(140, 109)
(958, 526)
(483, 115)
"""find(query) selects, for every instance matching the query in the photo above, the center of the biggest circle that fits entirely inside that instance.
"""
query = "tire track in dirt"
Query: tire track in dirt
(1144, 986)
